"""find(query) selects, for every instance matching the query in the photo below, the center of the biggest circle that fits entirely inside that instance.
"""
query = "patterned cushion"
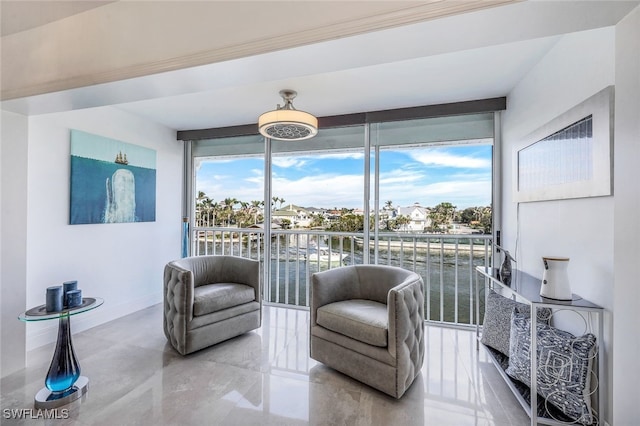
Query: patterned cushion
(564, 366)
(496, 330)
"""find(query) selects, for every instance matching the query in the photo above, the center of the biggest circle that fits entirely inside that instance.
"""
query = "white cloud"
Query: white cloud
(400, 176)
(321, 190)
(287, 162)
(342, 156)
(304, 160)
(219, 187)
(441, 158)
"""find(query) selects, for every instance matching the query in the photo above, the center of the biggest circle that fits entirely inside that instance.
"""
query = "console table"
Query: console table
(526, 289)
(63, 383)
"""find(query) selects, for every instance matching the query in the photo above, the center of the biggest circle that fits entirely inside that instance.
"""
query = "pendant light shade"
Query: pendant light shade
(287, 123)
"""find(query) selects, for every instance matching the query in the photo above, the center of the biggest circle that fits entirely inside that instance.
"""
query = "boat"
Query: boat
(121, 158)
(320, 255)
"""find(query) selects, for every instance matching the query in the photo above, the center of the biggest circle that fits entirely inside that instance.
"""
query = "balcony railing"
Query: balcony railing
(445, 262)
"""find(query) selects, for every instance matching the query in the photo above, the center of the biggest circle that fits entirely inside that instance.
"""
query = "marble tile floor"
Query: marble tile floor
(264, 377)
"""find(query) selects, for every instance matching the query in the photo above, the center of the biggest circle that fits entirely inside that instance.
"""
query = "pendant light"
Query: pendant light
(287, 123)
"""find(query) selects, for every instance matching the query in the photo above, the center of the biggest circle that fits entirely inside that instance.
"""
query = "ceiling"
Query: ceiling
(474, 55)
(14, 18)
(481, 73)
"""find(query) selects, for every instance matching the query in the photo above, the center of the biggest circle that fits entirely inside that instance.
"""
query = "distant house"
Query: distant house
(418, 217)
(261, 226)
(298, 216)
(317, 211)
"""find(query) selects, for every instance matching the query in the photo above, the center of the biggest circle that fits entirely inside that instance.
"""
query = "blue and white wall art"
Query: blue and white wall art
(111, 181)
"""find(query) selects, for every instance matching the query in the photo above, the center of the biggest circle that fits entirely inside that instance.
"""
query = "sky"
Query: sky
(88, 145)
(459, 174)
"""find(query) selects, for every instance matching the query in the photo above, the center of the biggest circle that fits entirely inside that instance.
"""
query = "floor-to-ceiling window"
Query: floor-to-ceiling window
(415, 193)
(432, 191)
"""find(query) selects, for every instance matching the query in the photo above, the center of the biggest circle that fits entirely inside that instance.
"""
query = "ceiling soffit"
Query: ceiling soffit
(110, 45)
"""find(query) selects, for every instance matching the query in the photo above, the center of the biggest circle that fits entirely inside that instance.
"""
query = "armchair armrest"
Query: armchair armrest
(406, 327)
(178, 303)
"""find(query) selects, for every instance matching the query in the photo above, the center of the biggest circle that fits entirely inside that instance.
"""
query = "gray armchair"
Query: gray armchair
(367, 321)
(208, 299)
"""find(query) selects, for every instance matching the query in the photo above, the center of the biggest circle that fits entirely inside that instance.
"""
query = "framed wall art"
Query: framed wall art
(111, 181)
(569, 157)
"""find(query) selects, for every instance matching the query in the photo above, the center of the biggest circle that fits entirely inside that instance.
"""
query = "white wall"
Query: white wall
(121, 263)
(13, 244)
(626, 407)
(578, 66)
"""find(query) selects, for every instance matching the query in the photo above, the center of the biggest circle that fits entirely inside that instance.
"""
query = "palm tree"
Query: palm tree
(255, 208)
(388, 207)
(402, 221)
(317, 220)
(228, 208)
(203, 209)
(215, 210)
(442, 215)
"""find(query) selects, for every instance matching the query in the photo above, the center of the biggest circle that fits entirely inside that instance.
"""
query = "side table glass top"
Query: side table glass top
(528, 287)
(39, 313)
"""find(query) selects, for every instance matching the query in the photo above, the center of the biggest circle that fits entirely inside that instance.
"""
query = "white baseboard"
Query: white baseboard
(109, 311)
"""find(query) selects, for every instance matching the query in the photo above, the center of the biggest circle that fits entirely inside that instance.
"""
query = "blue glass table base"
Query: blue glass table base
(45, 399)
(64, 369)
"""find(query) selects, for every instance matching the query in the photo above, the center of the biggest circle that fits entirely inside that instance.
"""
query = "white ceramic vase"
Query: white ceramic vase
(555, 279)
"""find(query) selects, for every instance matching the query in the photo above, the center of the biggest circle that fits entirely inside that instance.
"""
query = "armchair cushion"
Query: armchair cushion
(362, 320)
(217, 297)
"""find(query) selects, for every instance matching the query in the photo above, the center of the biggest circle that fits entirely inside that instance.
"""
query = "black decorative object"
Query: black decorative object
(73, 299)
(54, 300)
(506, 268)
(68, 286)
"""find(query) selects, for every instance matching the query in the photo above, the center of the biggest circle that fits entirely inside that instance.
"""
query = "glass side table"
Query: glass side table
(63, 383)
